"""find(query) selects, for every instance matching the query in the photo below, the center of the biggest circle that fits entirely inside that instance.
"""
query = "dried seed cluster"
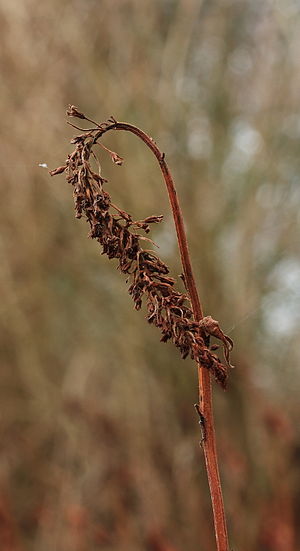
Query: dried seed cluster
(116, 231)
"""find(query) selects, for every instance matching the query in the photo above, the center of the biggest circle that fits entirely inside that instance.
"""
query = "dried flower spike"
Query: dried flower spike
(167, 309)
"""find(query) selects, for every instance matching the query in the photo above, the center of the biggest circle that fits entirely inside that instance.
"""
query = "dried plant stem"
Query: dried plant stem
(204, 375)
(167, 308)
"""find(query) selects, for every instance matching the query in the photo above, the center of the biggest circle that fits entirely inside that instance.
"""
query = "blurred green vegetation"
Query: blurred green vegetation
(99, 439)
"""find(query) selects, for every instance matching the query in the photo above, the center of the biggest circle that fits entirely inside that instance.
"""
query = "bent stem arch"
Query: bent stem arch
(204, 377)
(79, 173)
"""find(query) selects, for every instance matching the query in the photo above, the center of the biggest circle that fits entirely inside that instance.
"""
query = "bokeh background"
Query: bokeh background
(99, 438)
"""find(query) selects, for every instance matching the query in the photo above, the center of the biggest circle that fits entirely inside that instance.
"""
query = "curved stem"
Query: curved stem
(204, 377)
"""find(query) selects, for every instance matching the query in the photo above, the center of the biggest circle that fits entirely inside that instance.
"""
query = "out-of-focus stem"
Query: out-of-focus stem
(204, 376)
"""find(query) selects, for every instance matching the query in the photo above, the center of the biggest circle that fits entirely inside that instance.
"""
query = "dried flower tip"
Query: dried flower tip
(58, 170)
(81, 138)
(153, 219)
(72, 111)
(211, 327)
(116, 158)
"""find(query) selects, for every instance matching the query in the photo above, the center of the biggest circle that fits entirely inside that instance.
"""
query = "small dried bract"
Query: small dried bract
(117, 233)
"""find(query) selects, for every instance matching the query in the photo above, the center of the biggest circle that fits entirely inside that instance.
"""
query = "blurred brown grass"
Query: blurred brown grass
(99, 440)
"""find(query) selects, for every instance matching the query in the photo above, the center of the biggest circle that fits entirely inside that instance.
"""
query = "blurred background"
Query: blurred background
(99, 437)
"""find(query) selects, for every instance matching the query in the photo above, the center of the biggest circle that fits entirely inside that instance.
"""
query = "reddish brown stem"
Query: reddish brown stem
(204, 376)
